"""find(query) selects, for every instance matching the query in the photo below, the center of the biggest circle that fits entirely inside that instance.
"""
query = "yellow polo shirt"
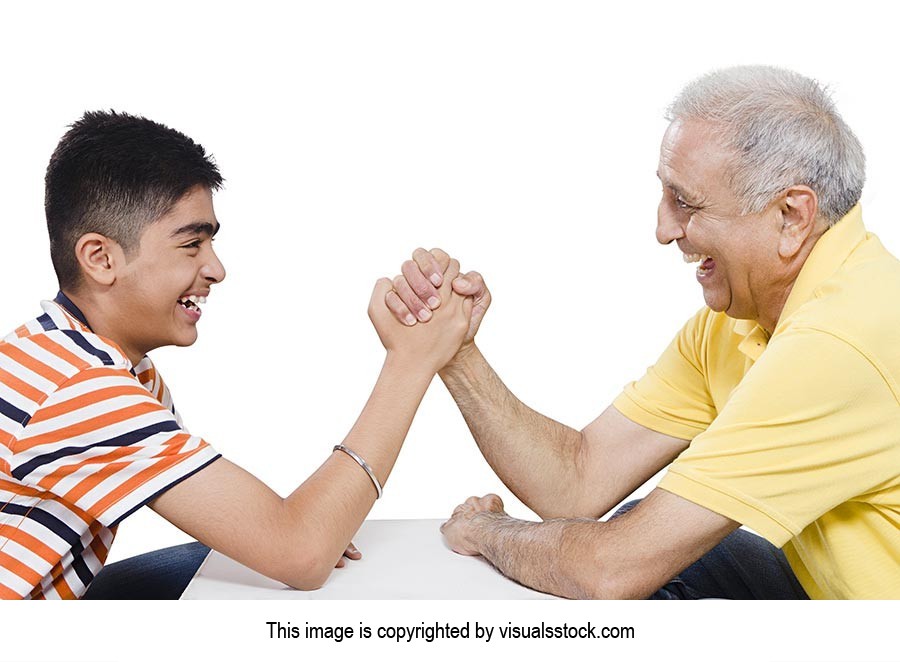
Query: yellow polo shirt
(797, 436)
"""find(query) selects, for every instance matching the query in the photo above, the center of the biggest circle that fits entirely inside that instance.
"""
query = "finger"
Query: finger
(420, 284)
(429, 266)
(353, 553)
(472, 501)
(470, 284)
(492, 501)
(449, 276)
(379, 292)
(442, 258)
(413, 302)
(395, 304)
(340, 563)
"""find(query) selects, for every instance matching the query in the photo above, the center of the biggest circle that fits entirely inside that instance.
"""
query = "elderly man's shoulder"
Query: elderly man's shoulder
(859, 302)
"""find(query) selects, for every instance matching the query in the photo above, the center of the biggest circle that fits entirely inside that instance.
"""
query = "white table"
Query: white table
(402, 560)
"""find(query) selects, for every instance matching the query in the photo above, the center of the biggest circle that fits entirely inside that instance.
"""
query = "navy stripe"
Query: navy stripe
(78, 338)
(45, 519)
(47, 323)
(127, 439)
(163, 490)
(81, 569)
(14, 413)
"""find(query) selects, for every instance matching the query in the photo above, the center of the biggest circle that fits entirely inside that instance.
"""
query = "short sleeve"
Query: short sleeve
(811, 426)
(104, 444)
(673, 397)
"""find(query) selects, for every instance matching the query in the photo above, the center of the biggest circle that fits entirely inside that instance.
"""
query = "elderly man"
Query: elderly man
(775, 406)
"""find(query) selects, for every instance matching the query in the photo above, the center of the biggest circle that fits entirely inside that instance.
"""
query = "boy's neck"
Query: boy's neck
(91, 313)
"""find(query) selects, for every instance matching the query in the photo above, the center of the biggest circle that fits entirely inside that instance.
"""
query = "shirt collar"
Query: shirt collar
(68, 305)
(830, 252)
(826, 257)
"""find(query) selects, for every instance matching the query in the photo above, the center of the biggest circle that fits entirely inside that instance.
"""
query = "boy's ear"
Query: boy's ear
(99, 257)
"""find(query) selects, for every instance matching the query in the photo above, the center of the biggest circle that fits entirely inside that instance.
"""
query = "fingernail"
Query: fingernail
(410, 320)
(434, 302)
(424, 315)
(436, 279)
(462, 282)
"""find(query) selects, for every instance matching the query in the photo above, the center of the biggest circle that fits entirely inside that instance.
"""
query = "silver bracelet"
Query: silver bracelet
(361, 462)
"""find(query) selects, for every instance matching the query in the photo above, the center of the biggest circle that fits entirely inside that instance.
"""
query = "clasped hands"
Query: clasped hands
(430, 314)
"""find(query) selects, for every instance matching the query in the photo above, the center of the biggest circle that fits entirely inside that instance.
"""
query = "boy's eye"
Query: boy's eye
(193, 244)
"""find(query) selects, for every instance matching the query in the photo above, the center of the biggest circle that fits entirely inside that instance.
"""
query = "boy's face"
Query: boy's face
(175, 260)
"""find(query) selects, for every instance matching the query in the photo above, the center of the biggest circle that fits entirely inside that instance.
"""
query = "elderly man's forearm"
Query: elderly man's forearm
(558, 556)
(537, 458)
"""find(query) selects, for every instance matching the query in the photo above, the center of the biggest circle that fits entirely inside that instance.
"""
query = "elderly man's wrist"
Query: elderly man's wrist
(465, 353)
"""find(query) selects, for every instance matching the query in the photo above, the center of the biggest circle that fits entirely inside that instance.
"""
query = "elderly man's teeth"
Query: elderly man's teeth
(693, 257)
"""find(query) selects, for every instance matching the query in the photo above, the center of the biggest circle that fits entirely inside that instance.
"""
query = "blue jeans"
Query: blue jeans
(159, 575)
(743, 566)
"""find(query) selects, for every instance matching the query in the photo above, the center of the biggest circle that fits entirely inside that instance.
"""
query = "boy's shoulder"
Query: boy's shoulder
(54, 347)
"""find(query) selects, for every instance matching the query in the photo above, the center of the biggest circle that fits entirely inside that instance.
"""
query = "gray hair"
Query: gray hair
(784, 130)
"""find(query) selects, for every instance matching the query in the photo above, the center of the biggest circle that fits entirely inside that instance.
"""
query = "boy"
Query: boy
(88, 430)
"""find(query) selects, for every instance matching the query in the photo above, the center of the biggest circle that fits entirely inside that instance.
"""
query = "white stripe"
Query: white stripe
(39, 531)
(27, 557)
(92, 383)
(14, 582)
(57, 314)
(47, 358)
(26, 375)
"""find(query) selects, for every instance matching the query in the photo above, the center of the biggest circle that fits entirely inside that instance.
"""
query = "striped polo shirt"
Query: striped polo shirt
(85, 440)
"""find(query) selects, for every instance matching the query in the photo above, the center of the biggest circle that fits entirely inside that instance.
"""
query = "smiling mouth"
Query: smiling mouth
(706, 262)
(190, 302)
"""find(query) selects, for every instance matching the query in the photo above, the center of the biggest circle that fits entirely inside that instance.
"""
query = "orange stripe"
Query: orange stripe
(96, 372)
(50, 480)
(23, 359)
(100, 550)
(37, 593)
(62, 587)
(7, 593)
(137, 481)
(59, 351)
(15, 566)
(21, 387)
(109, 469)
(4, 467)
(22, 331)
(28, 541)
(146, 376)
(18, 489)
(89, 425)
(85, 400)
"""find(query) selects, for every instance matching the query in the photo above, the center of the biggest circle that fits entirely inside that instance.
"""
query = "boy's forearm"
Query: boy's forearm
(535, 456)
(333, 502)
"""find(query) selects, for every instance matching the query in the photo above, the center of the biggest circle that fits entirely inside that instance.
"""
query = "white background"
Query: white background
(522, 137)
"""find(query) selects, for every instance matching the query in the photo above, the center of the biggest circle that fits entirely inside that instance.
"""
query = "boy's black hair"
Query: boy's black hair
(114, 174)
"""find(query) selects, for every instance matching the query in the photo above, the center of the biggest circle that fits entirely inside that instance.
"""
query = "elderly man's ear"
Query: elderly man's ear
(799, 206)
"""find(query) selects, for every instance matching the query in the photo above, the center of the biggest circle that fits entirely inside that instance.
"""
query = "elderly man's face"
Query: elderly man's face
(737, 258)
